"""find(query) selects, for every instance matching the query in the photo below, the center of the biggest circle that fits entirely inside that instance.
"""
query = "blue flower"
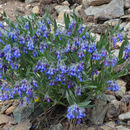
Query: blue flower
(21, 40)
(43, 47)
(76, 112)
(30, 45)
(26, 26)
(127, 51)
(35, 53)
(112, 85)
(111, 62)
(16, 52)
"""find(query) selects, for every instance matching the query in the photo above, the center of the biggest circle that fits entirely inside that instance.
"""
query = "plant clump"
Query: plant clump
(59, 65)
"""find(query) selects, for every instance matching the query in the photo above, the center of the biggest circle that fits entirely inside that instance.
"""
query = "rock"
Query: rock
(97, 36)
(125, 17)
(37, 111)
(20, 10)
(122, 88)
(128, 11)
(75, 1)
(5, 24)
(123, 107)
(96, 28)
(60, 8)
(112, 22)
(4, 119)
(126, 99)
(10, 110)
(118, 68)
(60, 18)
(23, 112)
(5, 107)
(127, 3)
(128, 92)
(66, 3)
(78, 10)
(31, 1)
(28, 6)
(121, 128)
(85, 4)
(98, 112)
(127, 27)
(114, 9)
(108, 126)
(57, 127)
(128, 123)
(124, 116)
(25, 125)
(128, 35)
(91, 128)
(97, 2)
(116, 53)
(110, 98)
(35, 10)
(113, 109)
(122, 25)
(93, 10)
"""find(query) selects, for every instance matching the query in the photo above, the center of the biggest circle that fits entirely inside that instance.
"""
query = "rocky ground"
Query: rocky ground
(110, 114)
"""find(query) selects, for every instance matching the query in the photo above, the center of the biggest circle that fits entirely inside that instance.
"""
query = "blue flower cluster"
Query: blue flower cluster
(76, 112)
(127, 51)
(20, 89)
(116, 39)
(112, 85)
(110, 62)
(63, 57)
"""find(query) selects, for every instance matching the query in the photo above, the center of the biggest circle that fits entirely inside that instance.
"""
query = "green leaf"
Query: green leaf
(55, 26)
(30, 28)
(116, 28)
(84, 104)
(69, 98)
(84, 31)
(66, 20)
(90, 86)
(122, 48)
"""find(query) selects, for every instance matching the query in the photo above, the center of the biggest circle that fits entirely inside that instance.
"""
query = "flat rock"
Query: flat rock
(22, 113)
(93, 10)
(124, 116)
(25, 125)
(10, 110)
(112, 10)
(5, 107)
(4, 119)
(98, 112)
(97, 2)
